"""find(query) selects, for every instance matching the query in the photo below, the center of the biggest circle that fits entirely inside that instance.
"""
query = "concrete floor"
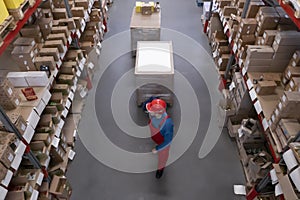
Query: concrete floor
(189, 177)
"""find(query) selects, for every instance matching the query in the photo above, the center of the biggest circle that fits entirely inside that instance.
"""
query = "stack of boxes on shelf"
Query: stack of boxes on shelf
(255, 159)
(45, 98)
(10, 99)
(265, 47)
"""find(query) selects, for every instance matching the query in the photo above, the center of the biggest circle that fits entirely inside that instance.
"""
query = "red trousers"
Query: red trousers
(163, 156)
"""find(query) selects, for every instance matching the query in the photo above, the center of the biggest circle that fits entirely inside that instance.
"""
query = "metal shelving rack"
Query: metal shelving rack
(3, 116)
(261, 186)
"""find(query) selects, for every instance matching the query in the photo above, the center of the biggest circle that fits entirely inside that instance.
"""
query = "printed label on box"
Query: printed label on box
(265, 124)
(10, 157)
(249, 84)
(17, 102)
(23, 127)
(55, 142)
(276, 112)
(258, 107)
(283, 98)
(289, 74)
(292, 84)
(9, 91)
(244, 71)
(78, 73)
(234, 48)
(280, 106)
(215, 53)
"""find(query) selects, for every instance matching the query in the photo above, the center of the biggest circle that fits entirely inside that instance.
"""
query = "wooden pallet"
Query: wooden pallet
(18, 13)
(6, 26)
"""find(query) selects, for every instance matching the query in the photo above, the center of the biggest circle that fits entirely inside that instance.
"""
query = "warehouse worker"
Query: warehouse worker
(161, 128)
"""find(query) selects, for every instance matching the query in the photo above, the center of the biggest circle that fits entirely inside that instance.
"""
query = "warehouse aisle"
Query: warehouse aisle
(211, 178)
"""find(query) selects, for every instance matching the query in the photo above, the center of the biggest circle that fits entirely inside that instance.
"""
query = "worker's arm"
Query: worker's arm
(167, 132)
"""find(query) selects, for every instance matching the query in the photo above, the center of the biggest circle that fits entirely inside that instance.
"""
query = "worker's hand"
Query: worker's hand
(154, 151)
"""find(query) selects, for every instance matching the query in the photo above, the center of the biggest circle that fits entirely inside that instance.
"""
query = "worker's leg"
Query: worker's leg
(163, 156)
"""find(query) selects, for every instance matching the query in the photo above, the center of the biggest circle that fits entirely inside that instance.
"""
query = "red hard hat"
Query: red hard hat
(157, 105)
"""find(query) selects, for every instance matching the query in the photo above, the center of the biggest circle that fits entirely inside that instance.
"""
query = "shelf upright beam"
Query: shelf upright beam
(10, 127)
(68, 8)
(246, 6)
(209, 16)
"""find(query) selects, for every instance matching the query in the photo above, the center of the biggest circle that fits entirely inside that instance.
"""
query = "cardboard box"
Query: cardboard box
(269, 37)
(259, 52)
(265, 87)
(20, 192)
(78, 12)
(40, 150)
(45, 60)
(60, 187)
(6, 155)
(59, 13)
(44, 137)
(61, 29)
(45, 120)
(247, 26)
(82, 3)
(22, 41)
(17, 120)
(63, 88)
(288, 38)
(290, 127)
(69, 67)
(65, 22)
(228, 10)
(294, 84)
(50, 52)
(3, 171)
(222, 62)
(144, 28)
(66, 79)
(254, 8)
(58, 36)
(55, 44)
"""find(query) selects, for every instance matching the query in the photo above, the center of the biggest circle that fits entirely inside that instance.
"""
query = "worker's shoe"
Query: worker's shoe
(159, 173)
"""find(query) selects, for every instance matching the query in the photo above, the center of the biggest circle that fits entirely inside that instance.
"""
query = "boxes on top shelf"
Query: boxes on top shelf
(32, 31)
(45, 25)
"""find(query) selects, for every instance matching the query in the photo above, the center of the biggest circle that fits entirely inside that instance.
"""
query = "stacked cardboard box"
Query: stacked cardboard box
(267, 18)
(245, 35)
(289, 73)
(25, 183)
(9, 97)
(94, 33)
(285, 44)
(32, 31)
(60, 188)
(24, 53)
